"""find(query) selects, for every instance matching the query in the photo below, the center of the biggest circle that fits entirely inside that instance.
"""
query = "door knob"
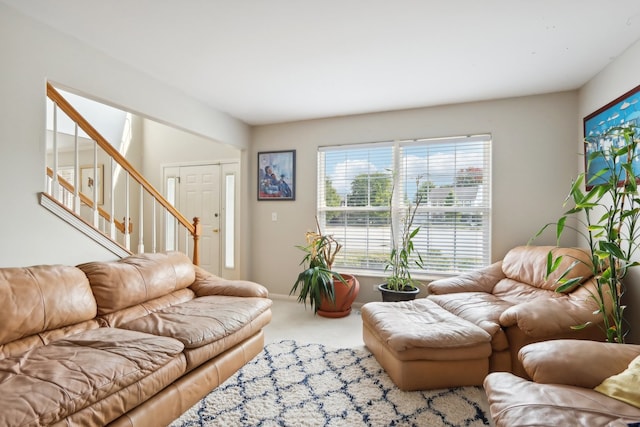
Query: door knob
(215, 230)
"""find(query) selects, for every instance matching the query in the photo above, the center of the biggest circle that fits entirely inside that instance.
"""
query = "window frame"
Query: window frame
(467, 214)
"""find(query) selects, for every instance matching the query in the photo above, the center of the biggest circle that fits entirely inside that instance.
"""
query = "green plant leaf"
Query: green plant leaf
(560, 227)
(568, 285)
(612, 248)
(580, 327)
(576, 188)
(552, 264)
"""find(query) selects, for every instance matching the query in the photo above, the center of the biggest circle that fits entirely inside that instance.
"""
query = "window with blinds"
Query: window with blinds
(452, 176)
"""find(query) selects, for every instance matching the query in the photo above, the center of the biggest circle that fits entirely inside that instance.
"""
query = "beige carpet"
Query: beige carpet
(292, 321)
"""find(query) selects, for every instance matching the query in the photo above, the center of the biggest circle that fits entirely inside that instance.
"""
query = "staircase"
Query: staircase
(104, 196)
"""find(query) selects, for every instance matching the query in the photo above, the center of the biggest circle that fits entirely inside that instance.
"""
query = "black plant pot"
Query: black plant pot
(389, 295)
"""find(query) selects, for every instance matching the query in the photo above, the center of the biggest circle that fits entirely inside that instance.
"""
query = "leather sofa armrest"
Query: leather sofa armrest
(482, 280)
(207, 284)
(579, 363)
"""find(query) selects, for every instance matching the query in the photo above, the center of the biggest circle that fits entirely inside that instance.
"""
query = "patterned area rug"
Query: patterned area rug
(292, 384)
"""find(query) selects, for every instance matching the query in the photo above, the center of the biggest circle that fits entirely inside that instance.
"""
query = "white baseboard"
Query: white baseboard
(294, 298)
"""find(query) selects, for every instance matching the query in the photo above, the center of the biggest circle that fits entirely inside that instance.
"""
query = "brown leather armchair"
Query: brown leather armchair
(517, 305)
(564, 373)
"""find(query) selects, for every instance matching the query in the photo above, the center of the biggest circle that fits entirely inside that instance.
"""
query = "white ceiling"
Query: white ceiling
(284, 60)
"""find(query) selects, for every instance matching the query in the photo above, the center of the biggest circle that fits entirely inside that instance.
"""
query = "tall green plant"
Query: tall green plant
(399, 261)
(316, 281)
(608, 214)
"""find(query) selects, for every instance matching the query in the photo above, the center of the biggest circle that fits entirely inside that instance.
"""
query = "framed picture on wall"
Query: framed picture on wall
(277, 175)
(622, 111)
(87, 182)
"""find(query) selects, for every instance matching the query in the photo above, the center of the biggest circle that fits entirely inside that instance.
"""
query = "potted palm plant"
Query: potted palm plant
(609, 217)
(329, 293)
(399, 285)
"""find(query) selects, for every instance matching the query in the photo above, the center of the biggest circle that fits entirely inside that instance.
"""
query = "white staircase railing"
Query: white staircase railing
(78, 191)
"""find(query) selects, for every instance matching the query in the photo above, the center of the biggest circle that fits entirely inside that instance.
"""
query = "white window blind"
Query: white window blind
(452, 175)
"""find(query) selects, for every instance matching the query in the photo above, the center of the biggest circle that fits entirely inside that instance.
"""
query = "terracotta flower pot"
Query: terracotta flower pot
(345, 295)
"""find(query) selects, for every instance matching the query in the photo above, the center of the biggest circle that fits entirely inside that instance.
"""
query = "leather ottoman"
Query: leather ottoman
(422, 346)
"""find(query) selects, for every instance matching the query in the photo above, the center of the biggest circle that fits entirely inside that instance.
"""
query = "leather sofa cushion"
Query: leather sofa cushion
(528, 264)
(554, 314)
(515, 401)
(518, 292)
(202, 320)
(479, 308)
(42, 298)
(17, 347)
(137, 279)
(571, 362)
(198, 355)
(46, 384)
(120, 317)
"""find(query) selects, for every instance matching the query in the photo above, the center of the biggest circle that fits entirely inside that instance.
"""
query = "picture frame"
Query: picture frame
(86, 182)
(277, 175)
(624, 110)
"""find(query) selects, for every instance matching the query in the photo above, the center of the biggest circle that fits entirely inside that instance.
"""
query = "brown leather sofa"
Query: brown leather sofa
(125, 343)
(564, 374)
(514, 302)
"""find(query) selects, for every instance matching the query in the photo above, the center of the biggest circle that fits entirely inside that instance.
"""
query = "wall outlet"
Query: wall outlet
(274, 216)
(375, 287)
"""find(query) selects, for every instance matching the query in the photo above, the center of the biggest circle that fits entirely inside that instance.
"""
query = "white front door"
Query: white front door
(205, 191)
(200, 197)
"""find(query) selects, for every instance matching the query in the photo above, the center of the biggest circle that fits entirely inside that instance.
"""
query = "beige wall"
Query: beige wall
(615, 80)
(533, 161)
